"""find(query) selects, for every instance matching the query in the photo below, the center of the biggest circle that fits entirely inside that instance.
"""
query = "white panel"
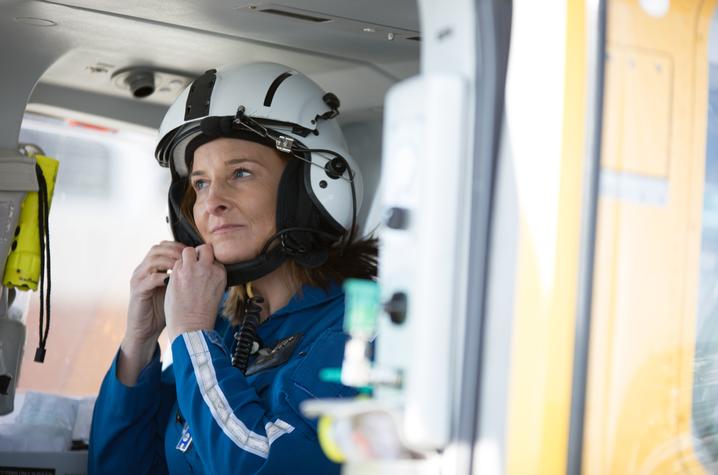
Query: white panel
(534, 115)
(424, 171)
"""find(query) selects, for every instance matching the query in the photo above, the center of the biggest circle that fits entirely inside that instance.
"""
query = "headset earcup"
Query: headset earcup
(294, 209)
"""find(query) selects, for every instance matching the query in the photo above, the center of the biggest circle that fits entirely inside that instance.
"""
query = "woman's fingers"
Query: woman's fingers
(159, 263)
(167, 255)
(189, 255)
(151, 272)
(157, 280)
(166, 248)
(205, 254)
(154, 265)
(160, 258)
(152, 282)
(197, 262)
(194, 291)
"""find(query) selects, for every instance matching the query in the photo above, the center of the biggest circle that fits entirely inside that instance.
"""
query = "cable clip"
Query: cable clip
(290, 246)
(332, 101)
(284, 144)
(237, 121)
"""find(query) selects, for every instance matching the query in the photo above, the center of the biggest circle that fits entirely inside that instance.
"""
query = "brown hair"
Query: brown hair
(358, 259)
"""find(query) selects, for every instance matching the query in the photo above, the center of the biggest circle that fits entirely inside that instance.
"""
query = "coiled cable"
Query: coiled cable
(247, 333)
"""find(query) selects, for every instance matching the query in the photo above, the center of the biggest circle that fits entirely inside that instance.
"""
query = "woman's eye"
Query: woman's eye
(199, 184)
(241, 173)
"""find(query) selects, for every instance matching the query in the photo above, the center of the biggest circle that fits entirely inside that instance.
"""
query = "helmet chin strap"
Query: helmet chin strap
(269, 260)
(253, 269)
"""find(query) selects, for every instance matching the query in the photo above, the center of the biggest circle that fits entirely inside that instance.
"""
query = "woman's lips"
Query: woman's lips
(225, 228)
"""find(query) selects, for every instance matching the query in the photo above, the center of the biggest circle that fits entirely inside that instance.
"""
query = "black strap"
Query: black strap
(253, 269)
(43, 219)
(199, 96)
(273, 88)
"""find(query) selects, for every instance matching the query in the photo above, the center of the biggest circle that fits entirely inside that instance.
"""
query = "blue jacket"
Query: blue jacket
(203, 416)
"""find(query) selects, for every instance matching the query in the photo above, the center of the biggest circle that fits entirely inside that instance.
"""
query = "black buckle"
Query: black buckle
(292, 249)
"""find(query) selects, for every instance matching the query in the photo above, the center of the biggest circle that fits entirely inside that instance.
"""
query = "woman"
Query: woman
(265, 204)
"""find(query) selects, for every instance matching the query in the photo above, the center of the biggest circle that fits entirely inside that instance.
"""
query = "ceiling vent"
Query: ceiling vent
(345, 25)
(296, 16)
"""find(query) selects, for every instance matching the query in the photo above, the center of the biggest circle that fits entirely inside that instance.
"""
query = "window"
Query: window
(108, 208)
(705, 382)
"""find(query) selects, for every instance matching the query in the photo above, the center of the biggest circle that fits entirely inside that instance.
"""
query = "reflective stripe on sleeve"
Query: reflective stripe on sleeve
(219, 407)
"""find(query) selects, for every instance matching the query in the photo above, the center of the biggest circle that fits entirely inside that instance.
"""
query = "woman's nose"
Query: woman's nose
(217, 199)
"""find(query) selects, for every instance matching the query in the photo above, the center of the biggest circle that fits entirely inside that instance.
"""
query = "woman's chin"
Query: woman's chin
(231, 255)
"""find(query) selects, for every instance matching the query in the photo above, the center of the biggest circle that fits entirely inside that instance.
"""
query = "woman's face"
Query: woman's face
(236, 183)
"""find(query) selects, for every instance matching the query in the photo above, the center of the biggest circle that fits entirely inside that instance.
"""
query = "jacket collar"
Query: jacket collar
(308, 297)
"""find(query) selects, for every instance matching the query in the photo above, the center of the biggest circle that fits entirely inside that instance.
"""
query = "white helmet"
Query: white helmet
(320, 191)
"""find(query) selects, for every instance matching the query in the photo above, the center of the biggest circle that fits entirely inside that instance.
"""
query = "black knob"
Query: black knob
(335, 168)
(397, 218)
(331, 100)
(396, 307)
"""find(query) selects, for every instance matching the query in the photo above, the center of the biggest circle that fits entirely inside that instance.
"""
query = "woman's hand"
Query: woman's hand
(194, 291)
(146, 316)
